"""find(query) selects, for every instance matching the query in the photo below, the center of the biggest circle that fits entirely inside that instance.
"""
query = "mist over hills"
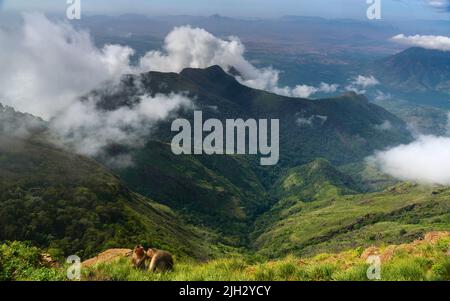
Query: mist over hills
(344, 123)
(220, 96)
(308, 50)
(338, 129)
(133, 189)
(222, 194)
(71, 204)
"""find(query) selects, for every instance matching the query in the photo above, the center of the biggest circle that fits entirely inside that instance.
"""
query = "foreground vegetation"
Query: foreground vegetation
(69, 204)
(320, 211)
(422, 260)
(20, 261)
(206, 208)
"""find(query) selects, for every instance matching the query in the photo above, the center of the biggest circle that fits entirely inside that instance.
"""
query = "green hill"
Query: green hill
(228, 192)
(336, 222)
(221, 192)
(416, 70)
(315, 180)
(204, 206)
(422, 260)
(416, 74)
(342, 129)
(73, 205)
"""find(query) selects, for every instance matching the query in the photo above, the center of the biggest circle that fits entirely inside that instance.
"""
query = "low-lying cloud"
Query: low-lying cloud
(196, 48)
(88, 130)
(360, 83)
(424, 41)
(187, 47)
(47, 67)
(305, 91)
(312, 120)
(20, 127)
(426, 160)
(441, 5)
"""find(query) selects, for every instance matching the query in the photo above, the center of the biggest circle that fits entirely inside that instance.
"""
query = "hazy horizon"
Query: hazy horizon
(392, 10)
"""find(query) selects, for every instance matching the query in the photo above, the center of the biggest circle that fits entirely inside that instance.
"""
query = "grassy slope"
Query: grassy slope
(343, 137)
(227, 193)
(221, 192)
(422, 260)
(425, 259)
(341, 129)
(73, 205)
(94, 210)
(336, 221)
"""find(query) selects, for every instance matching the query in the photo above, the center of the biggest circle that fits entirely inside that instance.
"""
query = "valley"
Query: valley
(256, 140)
(204, 207)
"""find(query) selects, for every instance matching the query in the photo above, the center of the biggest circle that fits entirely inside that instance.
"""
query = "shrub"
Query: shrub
(355, 273)
(20, 261)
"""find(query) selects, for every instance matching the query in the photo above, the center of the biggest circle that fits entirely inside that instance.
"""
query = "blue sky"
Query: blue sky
(391, 9)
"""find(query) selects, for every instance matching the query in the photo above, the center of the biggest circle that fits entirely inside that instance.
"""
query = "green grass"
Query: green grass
(73, 205)
(220, 192)
(333, 222)
(422, 261)
(20, 261)
(69, 204)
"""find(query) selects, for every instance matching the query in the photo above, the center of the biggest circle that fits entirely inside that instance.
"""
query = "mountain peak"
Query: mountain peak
(214, 70)
(316, 178)
(415, 70)
(214, 78)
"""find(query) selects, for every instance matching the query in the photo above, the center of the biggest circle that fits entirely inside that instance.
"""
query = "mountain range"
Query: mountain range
(417, 70)
(416, 74)
(205, 206)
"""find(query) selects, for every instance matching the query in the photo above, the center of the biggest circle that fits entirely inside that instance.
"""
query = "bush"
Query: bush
(356, 273)
(321, 272)
(20, 261)
(441, 270)
(404, 270)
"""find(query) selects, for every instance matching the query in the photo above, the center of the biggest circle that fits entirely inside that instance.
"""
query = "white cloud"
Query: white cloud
(88, 130)
(425, 41)
(45, 69)
(360, 83)
(45, 66)
(17, 124)
(327, 88)
(196, 48)
(365, 81)
(382, 96)
(305, 91)
(426, 160)
(312, 120)
(439, 4)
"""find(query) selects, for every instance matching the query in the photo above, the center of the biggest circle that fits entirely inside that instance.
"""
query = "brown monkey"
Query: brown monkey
(139, 257)
(160, 261)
